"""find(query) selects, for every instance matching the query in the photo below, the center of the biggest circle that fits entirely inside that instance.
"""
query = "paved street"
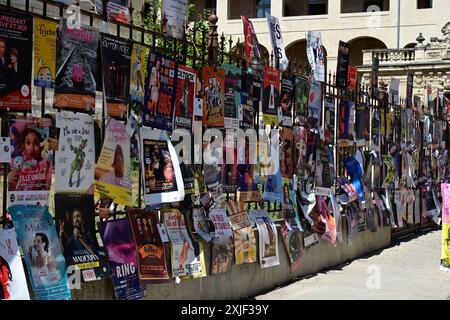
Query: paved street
(407, 270)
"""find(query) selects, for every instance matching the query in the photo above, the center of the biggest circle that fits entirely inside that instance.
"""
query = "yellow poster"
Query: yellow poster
(137, 76)
(445, 252)
(44, 53)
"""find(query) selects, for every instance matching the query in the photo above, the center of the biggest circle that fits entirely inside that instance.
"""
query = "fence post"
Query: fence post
(213, 40)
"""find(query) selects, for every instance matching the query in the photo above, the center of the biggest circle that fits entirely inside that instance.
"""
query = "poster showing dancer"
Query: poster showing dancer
(151, 256)
(116, 57)
(184, 98)
(271, 95)
(268, 243)
(223, 247)
(30, 174)
(232, 95)
(75, 158)
(41, 249)
(161, 171)
(112, 176)
(187, 255)
(119, 243)
(76, 68)
(13, 284)
(214, 99)
(16, 48)
(160, 90)
(44, 53)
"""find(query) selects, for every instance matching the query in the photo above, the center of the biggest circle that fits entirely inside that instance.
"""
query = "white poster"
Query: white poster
(268, 243)
(394, 87)
(175, 11)
(75, 158)
(13, 284)
(277, 42)
(316, 55)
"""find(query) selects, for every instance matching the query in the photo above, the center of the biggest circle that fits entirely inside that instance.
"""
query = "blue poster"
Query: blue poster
(45, 262)
(354, 170)
(273, 187)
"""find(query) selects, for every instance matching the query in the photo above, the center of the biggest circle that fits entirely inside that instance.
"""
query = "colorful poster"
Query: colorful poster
(160, 90)
(316, 55)
(30, 174)
(301, 99)
(247, 172)
(355, 172)
(287, 95)
(271, 95)
(287, 153)
(293, 243)
(252, 50)
(268, 243)
(276, 38)
(44, 53)
(362, 123)
(117, 10)
(151, 256)
(75, 225)
(75, 158)
(116, 57)
(445, 251)
(112, 171)
(247, 111)
(16, 48)
(345, 109)
(272, 187)
(185, 96)
(232, 95)
(42, 252)
(342, 64)
(329, 120)
(187, 255)
(175, 11)
(352, 77)
(119, 243)
(314, 103)
(13, 284)
(161, 171)
(390, 171)
(223, 248)
(352, 221)
(214, 99)
(137, 77)
(76, 68)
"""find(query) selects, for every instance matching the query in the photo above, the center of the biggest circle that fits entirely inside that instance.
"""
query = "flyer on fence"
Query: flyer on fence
(445, 246)
(214, 98)
(175, 11)
(76, 68)
(151, 256)
(268, 242)
(113, 171)
(137, 76)
(30, 174)
(232, 95)
(75, 158)
(223, 248)
(13, 284)
(44, 53)
(16, 34)
(185, 98)
(271, 95)
(41, 249)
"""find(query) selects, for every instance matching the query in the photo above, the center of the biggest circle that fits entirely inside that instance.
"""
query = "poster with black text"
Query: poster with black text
(271, 95)
(184, 98)
(342, 64)
(232, 95)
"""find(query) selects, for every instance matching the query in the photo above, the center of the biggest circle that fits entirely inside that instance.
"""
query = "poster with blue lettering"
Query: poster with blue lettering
(355, 171)
(42, 252)
(119, 243)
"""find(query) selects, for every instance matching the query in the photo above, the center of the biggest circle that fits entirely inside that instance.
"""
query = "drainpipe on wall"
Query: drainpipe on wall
(398, 24)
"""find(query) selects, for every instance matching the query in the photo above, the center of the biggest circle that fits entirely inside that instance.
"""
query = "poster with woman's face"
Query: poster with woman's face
(184, 98)
(293, 242)
(268, 243)
(287, 153)
(187, 254)
(42, 252)
(30, 174)
(13, 284)
(113, 171)
(16, 34)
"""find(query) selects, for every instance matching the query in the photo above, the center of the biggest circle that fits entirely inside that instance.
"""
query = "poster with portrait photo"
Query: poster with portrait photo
(161, 171)
(137, 76)
(75, 158)
(151, 256)
(268, 242)
(214, 98)
(44, 53)
(76, 68)
(223, 244)
(287, 152)
(184, 98)
(75, 226)
(112, 177)
(116, 58)
(41, 249)
(16, 34)
(271, 95)
(118, 240)
(30, 174)
(232, 95)
(13, 284)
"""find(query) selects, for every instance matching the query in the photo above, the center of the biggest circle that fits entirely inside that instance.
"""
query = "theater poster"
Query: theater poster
(76, 68)
(316, 55)
(116, 57)
(119, 243)
(151, 256)
(253, 55)
(293, 242)
(112, 177)
(30, 174)
(175, 11)
(445, 251)
(342, 64)
(232, 95)
(184, 98)
(271, 95)
(301, 95)
(314, 103)
(16, 47)
(13, 284)
(117, 10)
(287, 152)
(329, 119)
(161, 171)
(286, 97)
(75, 158)
(362, 124)
(44, 53)
(41, 249)
(268, 242)
(223, 247)
(345, 109)
(246, 110)
(75, 226)
(160, 87)
(214, 99)
(137, 76)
